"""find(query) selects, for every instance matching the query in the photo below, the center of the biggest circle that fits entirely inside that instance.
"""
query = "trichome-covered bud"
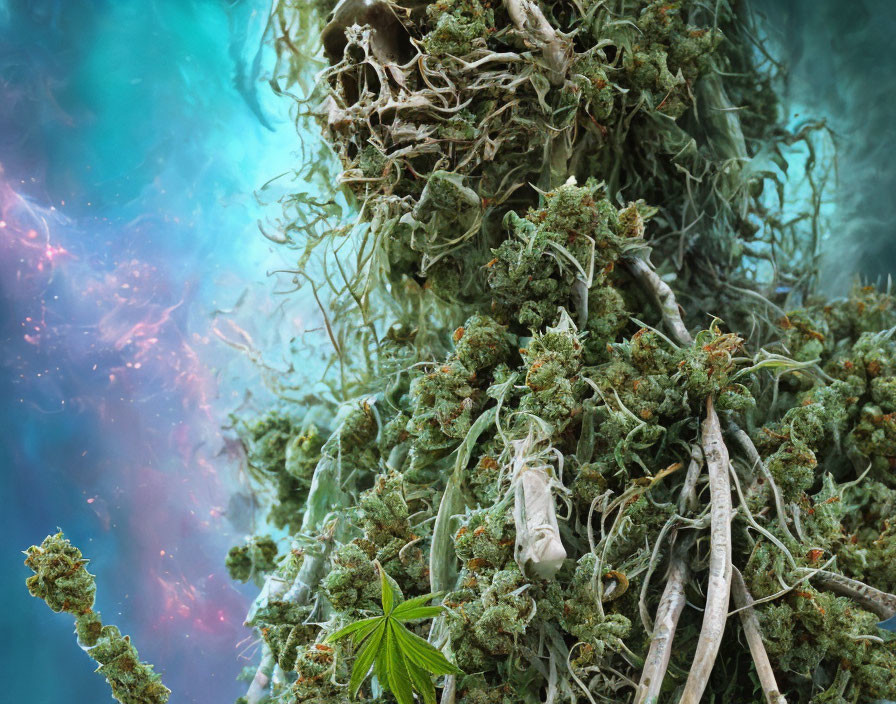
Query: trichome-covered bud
(132, 681)
(457, 26)
(64, 583)
(60, 575)
(252, 560)
(89, 628)
(284, 628)
(602, 630)
(481, 343)
(668, 56)
(707, 366)
(575, 235)
(484, 542)
(553, 360)
(353, 584)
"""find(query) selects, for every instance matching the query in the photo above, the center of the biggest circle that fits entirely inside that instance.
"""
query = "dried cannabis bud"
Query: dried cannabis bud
(61, 579)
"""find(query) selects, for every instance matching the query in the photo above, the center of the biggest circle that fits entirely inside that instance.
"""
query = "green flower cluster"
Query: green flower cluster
(61, 579)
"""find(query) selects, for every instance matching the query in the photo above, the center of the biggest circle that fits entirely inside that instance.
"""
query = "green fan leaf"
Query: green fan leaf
(379, 666)
(416, 602)
(396, 670)
(422, 681)
(366, 655)
(419, 612)
(402, 661)
(368, 624)
(423, 653)
(388, 592)
(362, 633)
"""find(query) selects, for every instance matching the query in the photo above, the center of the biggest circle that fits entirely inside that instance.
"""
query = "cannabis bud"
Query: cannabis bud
(61, 579)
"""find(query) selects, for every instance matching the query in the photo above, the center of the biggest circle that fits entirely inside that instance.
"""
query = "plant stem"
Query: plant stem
(673, 599)
(663, 298)
(718, 589)
(874, 600)
(667, 614)
(687, 499)
(259, 686)
(744, 602)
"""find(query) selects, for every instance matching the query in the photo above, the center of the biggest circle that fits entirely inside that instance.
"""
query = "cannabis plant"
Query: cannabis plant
(582, 383)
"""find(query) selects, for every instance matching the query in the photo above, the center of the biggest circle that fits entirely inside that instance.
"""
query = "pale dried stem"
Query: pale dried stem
(750, 622)
(673, 599)
(687, 499)
(718, 590)
(449, 689)
(313, 568)
(663, 298)
(882, 604)
(312, 571)
(258, 689)
(667, 614)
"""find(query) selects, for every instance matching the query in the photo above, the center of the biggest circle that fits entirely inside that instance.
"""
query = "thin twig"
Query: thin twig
(746, 444)
(663, 297)
(744, 602)
(718, 590)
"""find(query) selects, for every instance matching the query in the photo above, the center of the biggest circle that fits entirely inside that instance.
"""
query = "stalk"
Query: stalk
(718, 589)
(673, 599)
(667, 614)
(663, 298)
(744, 602)
(324, 495)
(882, 604)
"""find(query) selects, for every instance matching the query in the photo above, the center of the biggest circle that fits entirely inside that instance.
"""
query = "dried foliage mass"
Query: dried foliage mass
(582, 387)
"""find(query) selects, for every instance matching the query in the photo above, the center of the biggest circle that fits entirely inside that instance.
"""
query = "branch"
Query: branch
(449, 689)
(744, 602)
(318, 505)
(310, 573)
(667, 614)
(718, 589)
(874, 600)
(259, 686)
(663, 298)
(687, 499)
(673, 599)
